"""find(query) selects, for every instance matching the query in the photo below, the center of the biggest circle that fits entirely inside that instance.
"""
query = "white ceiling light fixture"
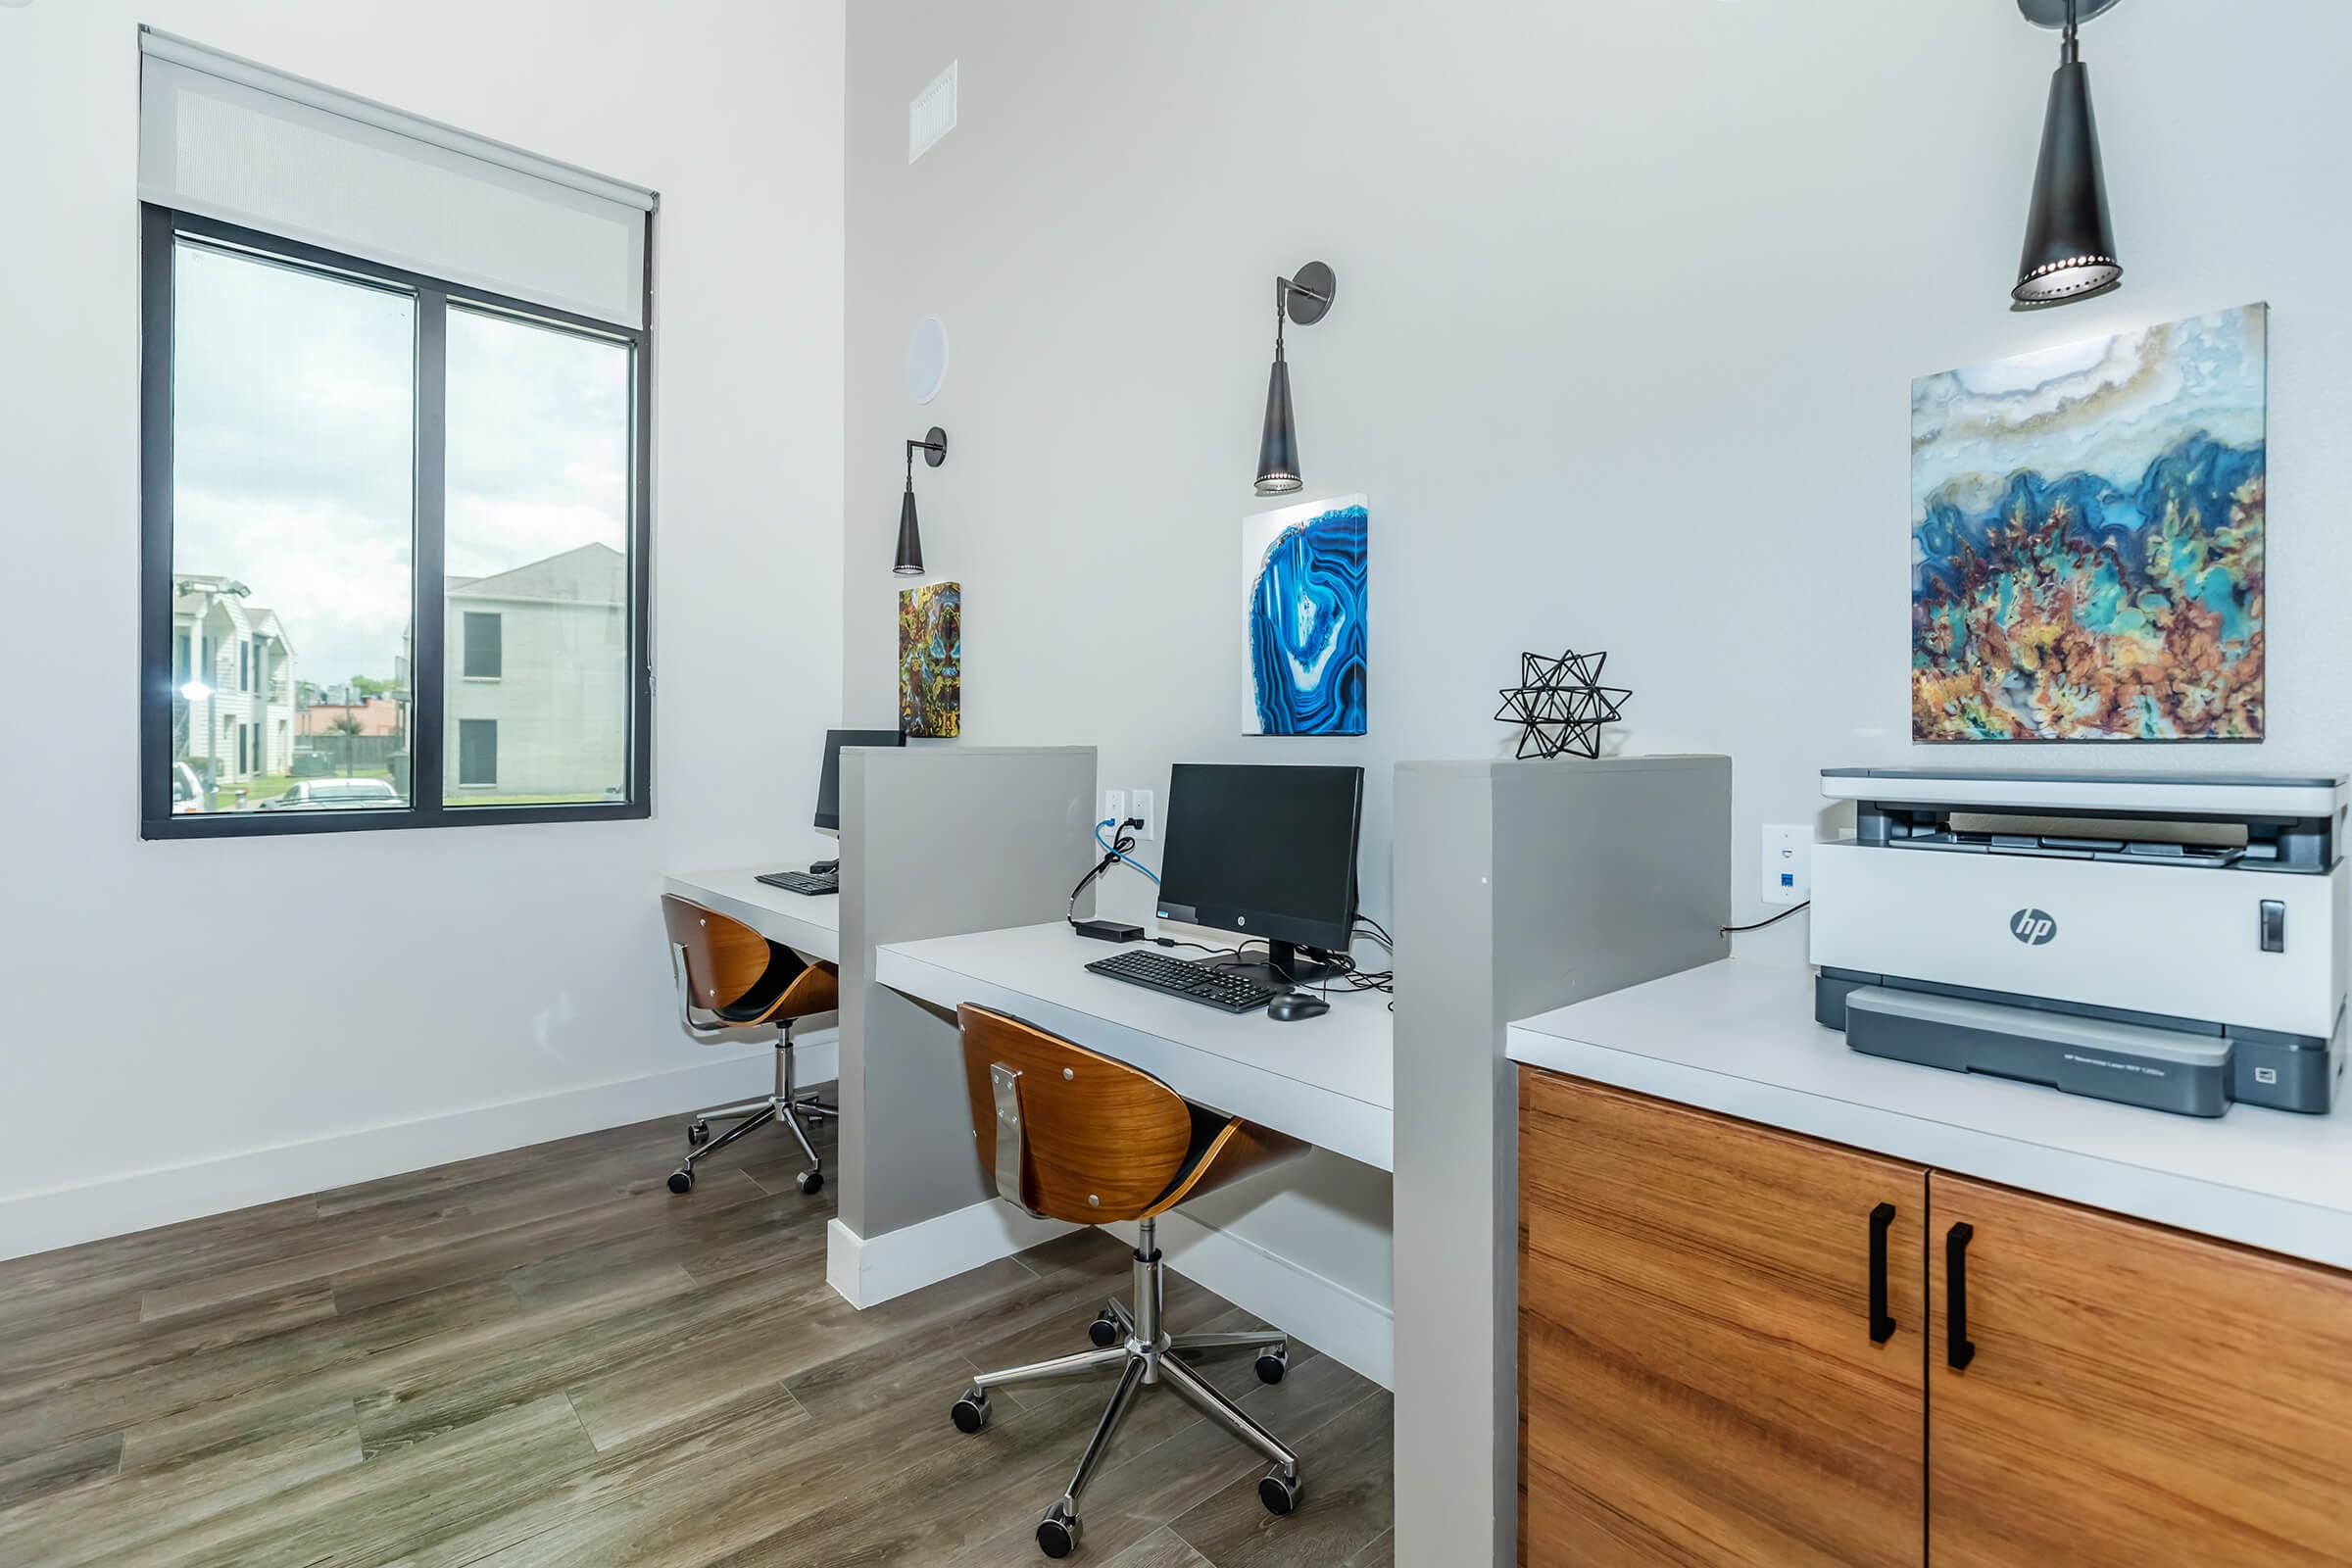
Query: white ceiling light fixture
(927, 358)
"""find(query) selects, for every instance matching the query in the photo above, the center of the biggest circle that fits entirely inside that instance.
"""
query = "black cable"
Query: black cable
(1727, 930)
(1213, 952)
(1122, 842)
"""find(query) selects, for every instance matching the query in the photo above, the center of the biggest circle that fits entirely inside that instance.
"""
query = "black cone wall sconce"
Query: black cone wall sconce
(2069, 245)
(934, 448)
(1305, 300)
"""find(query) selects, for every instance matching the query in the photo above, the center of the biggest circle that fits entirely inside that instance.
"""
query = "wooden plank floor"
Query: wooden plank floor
(544, 1357)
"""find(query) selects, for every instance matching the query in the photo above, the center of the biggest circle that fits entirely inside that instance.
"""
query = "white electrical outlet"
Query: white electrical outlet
(1142, 808)
(1115, 808)
(1787, 863)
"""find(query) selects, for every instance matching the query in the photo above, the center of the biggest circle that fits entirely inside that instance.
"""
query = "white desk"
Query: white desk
(808, 924)
(1327, 1080)
(1739, 1037)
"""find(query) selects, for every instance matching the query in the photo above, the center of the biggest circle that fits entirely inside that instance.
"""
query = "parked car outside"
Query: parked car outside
(187, 792)
(336, 794)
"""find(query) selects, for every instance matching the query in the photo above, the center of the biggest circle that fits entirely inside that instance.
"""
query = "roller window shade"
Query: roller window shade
(235, 141)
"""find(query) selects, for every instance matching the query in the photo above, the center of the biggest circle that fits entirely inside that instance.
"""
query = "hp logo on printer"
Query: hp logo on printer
(2032, 927)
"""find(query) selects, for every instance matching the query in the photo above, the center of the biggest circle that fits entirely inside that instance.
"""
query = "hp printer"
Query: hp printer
(2167, 941)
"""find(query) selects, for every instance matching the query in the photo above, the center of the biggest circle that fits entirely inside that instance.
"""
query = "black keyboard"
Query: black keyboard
(804, 881)
(1179, 977)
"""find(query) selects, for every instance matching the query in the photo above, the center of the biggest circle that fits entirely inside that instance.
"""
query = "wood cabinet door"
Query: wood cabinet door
(1698, 1381)
(2134, 1397)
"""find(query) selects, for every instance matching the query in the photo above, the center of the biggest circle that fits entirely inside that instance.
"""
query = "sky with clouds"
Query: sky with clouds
(293, 440)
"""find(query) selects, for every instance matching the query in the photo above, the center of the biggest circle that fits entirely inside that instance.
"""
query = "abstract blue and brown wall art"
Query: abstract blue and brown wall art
(2086, 539)
(931, 660)
(1305, 668)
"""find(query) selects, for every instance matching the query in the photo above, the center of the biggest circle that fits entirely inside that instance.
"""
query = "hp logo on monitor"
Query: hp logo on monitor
(2032, 927)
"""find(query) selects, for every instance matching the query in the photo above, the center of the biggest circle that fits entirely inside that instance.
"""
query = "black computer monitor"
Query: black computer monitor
(828, 782)
(1266, 852)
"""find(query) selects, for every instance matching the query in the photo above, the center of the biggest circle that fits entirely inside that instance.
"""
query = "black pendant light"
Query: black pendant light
(934, 448)
(1305, 300)
(2070, 244)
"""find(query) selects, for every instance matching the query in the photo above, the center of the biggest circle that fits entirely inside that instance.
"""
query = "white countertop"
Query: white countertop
(1328, 1080)
(1739, 1037)
(807, 923)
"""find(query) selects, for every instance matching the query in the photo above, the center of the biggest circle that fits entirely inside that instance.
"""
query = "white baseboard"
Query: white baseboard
(865, 1271)
(61, 1216)
(1357, 1333)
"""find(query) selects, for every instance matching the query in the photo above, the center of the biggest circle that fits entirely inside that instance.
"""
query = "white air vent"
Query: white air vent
(931, 114)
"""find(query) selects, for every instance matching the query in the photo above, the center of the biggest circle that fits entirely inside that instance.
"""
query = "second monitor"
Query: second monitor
(828, 782)
(1266, 852)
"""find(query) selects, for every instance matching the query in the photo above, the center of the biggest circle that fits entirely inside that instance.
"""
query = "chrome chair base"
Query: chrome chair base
(1145, 1355)
(787, 1103)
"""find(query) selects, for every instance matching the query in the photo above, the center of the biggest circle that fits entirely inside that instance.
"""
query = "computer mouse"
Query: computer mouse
(1293, 1006)
(820, 867)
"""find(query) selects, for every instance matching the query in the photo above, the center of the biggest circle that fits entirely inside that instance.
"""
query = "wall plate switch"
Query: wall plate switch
(1787, 863)
(1140, 805)
(1115, 808)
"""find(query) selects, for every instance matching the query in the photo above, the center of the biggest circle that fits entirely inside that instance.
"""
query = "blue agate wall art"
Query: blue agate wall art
(1306, 664)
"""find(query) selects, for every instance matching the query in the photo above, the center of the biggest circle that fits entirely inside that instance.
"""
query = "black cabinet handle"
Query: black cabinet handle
(1958, 1349)
(1882, 1325)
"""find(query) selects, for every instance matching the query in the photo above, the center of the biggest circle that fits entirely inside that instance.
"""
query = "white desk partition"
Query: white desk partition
(1520, 886)
(934, 840)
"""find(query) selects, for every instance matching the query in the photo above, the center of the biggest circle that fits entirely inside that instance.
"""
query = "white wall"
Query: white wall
(463, 978)
(1630, 301)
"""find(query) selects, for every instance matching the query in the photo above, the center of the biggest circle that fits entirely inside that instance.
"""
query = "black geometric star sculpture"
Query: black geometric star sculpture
(1560, 703)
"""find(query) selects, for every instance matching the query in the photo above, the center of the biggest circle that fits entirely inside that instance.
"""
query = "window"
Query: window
(477, 752)
(295, 460)
(418, 441)
(484, 649)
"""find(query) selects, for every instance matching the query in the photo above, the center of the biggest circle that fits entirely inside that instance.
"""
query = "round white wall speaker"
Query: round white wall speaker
(927, 358)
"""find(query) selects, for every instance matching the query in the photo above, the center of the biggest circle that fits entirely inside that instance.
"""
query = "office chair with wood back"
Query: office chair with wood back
(1072, 1135)
(730, 977)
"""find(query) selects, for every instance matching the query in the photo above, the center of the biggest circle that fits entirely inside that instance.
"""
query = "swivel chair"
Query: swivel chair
(730, 977)
(1072, 1135)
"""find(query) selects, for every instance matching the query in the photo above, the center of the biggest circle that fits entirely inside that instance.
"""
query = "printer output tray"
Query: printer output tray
(2162, 1070)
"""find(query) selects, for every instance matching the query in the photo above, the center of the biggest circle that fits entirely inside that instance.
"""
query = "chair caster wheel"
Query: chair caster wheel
(972, 1411)
(1279, 1492)
(1058, 1536)
(810, 1180)
(1272, 1362)
(1105, 1331)
(681, 1180)
(698, 1135)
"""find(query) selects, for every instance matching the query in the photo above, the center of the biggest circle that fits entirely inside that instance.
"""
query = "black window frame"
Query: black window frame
(432, 803)
(497, 649)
